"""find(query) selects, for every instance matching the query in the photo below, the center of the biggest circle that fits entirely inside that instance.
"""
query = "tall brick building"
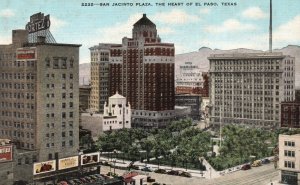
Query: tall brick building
(142, 70)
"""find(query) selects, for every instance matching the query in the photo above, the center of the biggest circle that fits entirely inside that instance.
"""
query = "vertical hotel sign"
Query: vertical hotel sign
(5, 153)
(38, 22)
(26, 53)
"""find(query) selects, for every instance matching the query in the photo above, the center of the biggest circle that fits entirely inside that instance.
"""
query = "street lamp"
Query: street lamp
(115, 151)
(201, 165)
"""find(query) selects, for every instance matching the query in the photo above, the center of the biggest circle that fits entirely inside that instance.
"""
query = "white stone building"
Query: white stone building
(289, 158)
(247, 88)
(117, 113)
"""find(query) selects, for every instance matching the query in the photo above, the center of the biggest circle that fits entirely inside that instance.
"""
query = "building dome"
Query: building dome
(144, 21)
(144, 29)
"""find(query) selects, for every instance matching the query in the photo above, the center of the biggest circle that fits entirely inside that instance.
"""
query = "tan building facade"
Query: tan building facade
(289, 158)
(40, 97)
(247, 89)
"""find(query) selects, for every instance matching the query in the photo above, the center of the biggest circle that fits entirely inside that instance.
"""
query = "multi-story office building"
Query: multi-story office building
(191, 80)
(99, 76)
(248, 88)
(40, 96)
(289, 158)
(290, 114)
(190, 100)
(142, 70)
(84, 97)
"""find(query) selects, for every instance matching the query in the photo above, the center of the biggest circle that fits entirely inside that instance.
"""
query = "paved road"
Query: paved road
(256, 176)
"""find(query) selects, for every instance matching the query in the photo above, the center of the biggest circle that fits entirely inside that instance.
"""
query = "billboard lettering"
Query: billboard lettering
(38, 22)
(5, 153)
(25, 54)
(68, 162)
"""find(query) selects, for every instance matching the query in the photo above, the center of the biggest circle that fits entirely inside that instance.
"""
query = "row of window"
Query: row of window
(63, 115)
(17, 76)
(63, 125)
(63, 134)
(17, 134)
(63, 76)
(63, 144)
(16, 105)
(63, 105)
(17, 125)
(17, 85)
(59, 62)
(63, 95)
(289, 164)
(289, 143)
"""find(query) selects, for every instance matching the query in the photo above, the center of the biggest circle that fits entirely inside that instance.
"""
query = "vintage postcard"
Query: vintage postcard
(149, 92)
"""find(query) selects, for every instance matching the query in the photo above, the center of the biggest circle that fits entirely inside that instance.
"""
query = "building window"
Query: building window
(26, 160)
(63, 144)
(70, 133)
(63, 105)
(289, 143)
(71, 76)
(64, 63)
(34, 158)
(71, 114)
(47, 61)
(72, 62)
(71, 142)
(55, 64)
(63, 124)
(289, 153)
(49, 156)
(63, 115)
(71, 104)
(289, 164)
(19, 161)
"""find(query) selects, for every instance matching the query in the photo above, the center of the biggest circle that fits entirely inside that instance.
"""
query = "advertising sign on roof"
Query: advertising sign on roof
(44, 167)
(68, 162)
(5, 153)
(38, 22)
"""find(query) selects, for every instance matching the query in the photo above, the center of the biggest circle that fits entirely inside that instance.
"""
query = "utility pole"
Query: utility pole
(270, 28)
(220, 127)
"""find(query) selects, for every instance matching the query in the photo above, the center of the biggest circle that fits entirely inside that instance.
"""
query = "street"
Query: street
(262, 175)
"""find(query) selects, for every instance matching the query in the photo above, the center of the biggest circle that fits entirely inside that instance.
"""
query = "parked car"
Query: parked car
(160, 171)
(185, 174)
(77, 181)
(149, 179)
(265, 161)
(256, 163)
(146, 169)
(173, 172)
(246, 167)
(71, 182)
(89, 179)
(63, 183)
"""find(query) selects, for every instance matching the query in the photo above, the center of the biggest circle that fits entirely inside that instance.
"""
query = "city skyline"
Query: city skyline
(244, 25)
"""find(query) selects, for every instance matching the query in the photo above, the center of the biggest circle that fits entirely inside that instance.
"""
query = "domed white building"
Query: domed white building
(117, 113)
